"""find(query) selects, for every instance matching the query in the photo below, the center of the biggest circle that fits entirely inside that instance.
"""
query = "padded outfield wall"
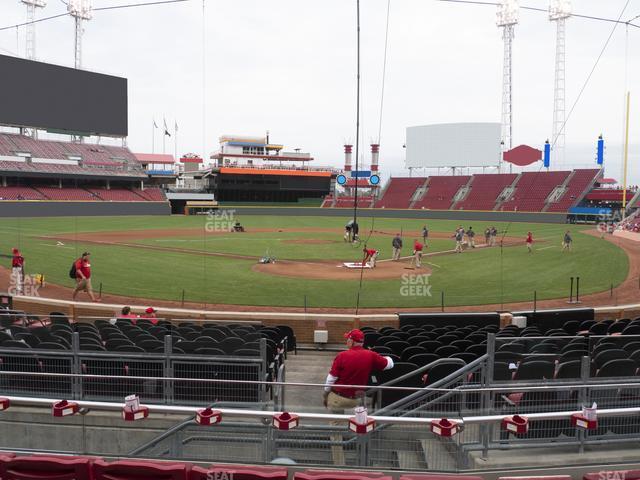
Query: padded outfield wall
(470, 215)
(81, 209)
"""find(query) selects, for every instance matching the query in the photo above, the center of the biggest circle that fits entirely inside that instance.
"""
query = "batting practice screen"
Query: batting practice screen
(41, 95)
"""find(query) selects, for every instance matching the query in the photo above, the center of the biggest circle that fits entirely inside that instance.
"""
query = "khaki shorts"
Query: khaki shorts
(338, 404)
(84, 284)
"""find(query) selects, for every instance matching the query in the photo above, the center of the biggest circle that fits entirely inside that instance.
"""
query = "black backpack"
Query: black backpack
(72, 271)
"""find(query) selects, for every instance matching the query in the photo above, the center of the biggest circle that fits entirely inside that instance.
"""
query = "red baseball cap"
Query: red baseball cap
(150, 310)
(15, 250)
(355, 335)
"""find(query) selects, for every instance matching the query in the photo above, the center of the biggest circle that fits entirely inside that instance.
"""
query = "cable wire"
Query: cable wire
(384, 70)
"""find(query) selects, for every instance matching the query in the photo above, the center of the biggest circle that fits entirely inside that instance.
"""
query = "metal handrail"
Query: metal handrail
(329, 417)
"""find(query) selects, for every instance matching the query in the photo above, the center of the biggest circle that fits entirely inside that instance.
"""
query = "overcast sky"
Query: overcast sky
(288, 66)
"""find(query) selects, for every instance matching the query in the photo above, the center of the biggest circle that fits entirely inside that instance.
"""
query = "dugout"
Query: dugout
(187, 203)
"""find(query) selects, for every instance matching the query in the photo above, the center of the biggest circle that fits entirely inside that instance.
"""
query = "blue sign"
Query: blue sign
(374, 179)
(360, 173)
(547, 154)
(341, 179)
(600, 150)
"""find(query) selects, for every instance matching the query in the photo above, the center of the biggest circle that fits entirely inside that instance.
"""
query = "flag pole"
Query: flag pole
(626, 160)
(175, 141)
(164, 138)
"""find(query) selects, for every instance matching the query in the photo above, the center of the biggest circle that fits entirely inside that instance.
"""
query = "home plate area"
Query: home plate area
(355, 265)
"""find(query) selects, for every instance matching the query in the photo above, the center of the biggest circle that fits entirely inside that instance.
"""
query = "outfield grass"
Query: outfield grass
(479, 277)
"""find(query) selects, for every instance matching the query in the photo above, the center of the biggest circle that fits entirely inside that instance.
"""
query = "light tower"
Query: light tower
(507, 18)
(80, 10)
(559, 11)
(32, 5)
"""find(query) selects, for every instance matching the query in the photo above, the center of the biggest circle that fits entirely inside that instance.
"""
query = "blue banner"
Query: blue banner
(547, 154)
(600, 150)
(360, 173)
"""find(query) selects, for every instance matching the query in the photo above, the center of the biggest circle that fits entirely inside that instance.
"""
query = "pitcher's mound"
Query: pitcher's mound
(334, 270)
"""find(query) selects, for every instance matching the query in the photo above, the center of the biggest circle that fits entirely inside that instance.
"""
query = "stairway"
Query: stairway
(308, 366)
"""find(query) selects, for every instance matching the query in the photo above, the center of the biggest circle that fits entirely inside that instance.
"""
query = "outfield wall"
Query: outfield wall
(81, 209)
(467, 215)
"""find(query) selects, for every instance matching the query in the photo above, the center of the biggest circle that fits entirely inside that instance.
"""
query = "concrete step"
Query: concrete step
(411, 460)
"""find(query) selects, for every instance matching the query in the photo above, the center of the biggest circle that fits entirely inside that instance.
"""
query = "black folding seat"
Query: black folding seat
(598, 329)
(370, 339)
(479, 349)
(384, 339)
(585, 325)
(50, 346)
(231, 344)
(212, 352)
(462, 345)
(423, 359)
(440, 371)
(544, 348)
(569, 370)
(616, 327)
(384, 330)
(507, 356)
(410, 351)
(150, 345)
(186, 346)
(117, 342)
(466, 356)
(572, 355)
(382, 350)
(501, 371)
(606, 356)
(129, 348)
(247, 352)
(447, 339)
(58, 318)
(92, 347)
(398, 346)
(631, 330)
(418, 339)
(400, 369)
(535, 370)
(28, 338)
(15, 344)
(431, 346)
(446, 351)
(401, 335)
(517, 347)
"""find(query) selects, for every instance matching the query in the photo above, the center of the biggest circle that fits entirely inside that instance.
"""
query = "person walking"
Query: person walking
(17, 271)
(471, 237)
(487, 236)
(529, 242)
(494, 235)
(567, 241)
(347, 379)
(417, 253)
(82, 267)
(425, 234)
(396, 243)
(459, 235)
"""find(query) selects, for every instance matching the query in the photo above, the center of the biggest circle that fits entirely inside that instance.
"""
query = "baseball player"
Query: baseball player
(529, 242)
(425, 234)
(487, 236)
(417, 253)
(567, 241)
(17, 270)
(471, 237)
(459, 235)
(370, 255)
(494, 234)
(396, 243)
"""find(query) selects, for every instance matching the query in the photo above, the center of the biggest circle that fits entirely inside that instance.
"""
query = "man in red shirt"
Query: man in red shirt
(370, 255)
(351, 367)
(529, 242)
(417, 253)
(17, 270)
(83, 277)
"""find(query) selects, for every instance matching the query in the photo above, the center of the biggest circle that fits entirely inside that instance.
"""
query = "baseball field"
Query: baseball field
(198, 260)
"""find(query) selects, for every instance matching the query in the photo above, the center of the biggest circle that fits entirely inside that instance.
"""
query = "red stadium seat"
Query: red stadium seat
(238, 472)
(613, 475)
(538, 477)
(136, 470)
(45, 467)
(439, 477)
(339, 475)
